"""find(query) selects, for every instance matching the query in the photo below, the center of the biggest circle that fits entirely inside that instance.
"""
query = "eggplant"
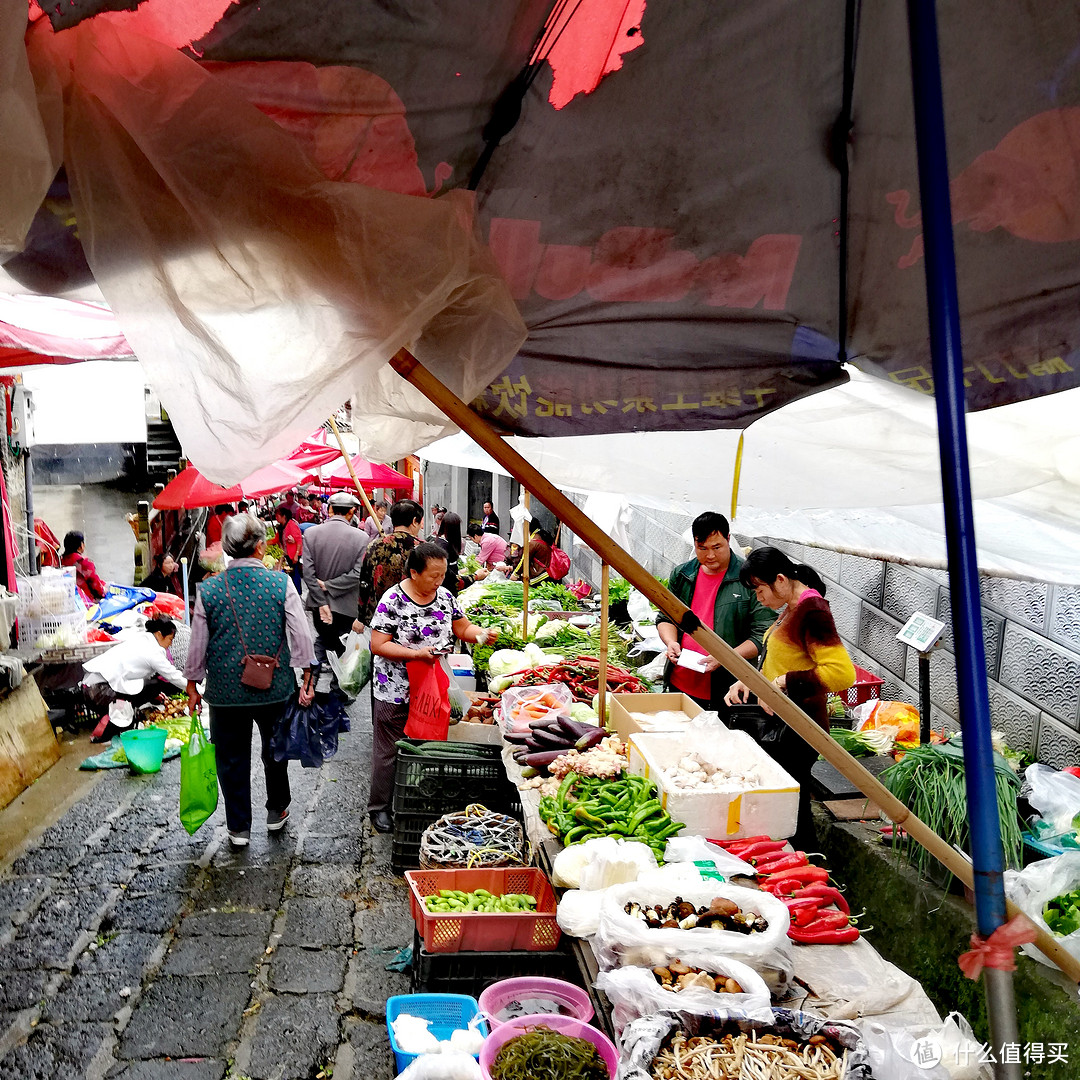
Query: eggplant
(543, 759)
(522, 752)
(547, 738)
(549, 723)
(576, 729)
(591, 738)
(519, 738)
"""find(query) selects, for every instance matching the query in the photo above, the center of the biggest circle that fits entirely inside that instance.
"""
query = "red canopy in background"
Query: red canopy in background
(191, 489)
(310, 455)
(369, 474)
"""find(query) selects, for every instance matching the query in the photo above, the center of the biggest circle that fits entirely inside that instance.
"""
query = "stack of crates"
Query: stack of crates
(436, 782)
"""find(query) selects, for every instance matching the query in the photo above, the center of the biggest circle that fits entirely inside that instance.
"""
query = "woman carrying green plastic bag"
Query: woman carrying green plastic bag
(198, 778)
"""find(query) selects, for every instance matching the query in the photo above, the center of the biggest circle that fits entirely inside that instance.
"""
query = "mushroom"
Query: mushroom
(663, 975)
(695, 978)
(677, 967)
(722, 906)
(686, 909)
(669, 924)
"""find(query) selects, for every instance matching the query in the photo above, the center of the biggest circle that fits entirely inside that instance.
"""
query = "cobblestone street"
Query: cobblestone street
(131, 950)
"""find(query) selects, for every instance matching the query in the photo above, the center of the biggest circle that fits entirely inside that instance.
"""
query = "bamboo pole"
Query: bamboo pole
(526, 536)
(352, 472)
(601, 705)
(409, 368)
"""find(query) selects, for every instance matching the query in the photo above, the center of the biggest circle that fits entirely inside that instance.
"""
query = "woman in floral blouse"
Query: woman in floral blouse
(417, 619)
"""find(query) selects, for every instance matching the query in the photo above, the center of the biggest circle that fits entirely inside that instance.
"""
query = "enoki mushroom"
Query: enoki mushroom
(753, 1057)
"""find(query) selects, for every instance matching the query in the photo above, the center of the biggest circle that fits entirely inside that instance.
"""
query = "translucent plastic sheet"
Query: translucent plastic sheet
(28, 162)
(258, 294)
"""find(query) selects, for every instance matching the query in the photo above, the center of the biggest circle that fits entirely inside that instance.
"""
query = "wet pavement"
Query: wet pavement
(130, 950)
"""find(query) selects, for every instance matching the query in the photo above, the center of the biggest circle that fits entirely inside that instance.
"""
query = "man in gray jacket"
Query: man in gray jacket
(333, 555)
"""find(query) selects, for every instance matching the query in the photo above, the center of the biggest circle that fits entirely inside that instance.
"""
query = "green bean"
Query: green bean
(544, 1054)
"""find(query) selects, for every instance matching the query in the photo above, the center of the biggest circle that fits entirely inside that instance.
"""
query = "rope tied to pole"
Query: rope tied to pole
(998, 950)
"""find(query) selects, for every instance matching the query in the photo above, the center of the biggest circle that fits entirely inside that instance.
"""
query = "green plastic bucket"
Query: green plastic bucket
(144, 748)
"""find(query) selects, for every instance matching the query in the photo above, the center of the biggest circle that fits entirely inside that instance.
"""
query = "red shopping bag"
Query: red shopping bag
(429, 700)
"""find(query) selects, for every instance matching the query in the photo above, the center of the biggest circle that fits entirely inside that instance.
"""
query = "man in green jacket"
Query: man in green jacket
(709, 585)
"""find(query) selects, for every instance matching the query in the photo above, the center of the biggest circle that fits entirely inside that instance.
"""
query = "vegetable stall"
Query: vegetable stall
(660, 840)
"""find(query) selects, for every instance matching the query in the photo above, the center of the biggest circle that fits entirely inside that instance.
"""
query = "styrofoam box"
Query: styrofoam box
(622, 705)
(485, 734)
(771, 809)
(461, 666)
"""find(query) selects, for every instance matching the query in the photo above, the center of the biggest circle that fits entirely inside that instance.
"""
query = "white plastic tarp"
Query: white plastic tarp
(854, 467)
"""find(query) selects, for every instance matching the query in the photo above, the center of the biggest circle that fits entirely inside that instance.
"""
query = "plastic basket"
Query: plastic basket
(435, 785)
(565, 1025)
(447, 1013)
(48, 594)
(497, 996)
(145, 748)
(52, 632)
(867, 687)
(475, 931)
(473, 972)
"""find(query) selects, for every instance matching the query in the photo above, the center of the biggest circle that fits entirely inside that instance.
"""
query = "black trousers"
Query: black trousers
(330, 634)
(388, 724)
(230, 732)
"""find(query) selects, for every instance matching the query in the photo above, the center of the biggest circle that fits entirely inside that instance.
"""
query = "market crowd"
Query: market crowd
(283, 585)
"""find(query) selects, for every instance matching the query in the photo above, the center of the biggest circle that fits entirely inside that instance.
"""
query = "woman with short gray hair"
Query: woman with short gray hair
(248, 613)
(241, 535)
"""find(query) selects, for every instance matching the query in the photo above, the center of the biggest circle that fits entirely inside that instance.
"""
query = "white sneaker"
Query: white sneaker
(240, 839)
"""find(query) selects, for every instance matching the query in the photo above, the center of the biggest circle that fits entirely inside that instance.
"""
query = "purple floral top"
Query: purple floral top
(416, 626)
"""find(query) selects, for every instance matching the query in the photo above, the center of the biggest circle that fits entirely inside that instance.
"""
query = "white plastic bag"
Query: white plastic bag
(353, 667)
(601, 862)
(696, 849)
(635, 992)
(121, 713)
(639, 607)
(623, 940)
(1030, 889)
(442, 1067)
(654, 669)
(578, 913)
(1056, 795)
(459, 700)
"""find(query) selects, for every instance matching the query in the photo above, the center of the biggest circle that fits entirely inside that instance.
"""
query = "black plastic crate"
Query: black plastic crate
(436, 785)
(405, 849)
(471, 972)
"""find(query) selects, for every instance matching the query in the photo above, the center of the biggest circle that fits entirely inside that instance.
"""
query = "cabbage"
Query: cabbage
(508, 661)
(581, 712)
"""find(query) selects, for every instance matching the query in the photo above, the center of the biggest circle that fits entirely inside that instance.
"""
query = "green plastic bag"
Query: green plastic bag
(198, 779)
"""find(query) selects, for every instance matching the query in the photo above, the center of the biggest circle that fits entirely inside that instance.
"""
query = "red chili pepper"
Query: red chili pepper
(794, 904)
(807, 914)
(809, 936)
(826, 920)
(826, 893)
(789, 880)
(742, 841)
(780, 861)
(762, 847)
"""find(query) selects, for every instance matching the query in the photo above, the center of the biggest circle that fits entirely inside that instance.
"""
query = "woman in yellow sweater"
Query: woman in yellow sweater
(804, 657)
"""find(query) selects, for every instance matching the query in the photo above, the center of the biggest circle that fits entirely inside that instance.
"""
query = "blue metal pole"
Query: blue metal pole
(948, 366)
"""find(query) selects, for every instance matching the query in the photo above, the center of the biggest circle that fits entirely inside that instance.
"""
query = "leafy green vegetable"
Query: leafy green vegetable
(851, 741)
(1062, 914)
(618, 589)
(929, 780)
(552, 590)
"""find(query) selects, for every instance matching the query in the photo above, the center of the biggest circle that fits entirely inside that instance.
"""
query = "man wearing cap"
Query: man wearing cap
(333, 556)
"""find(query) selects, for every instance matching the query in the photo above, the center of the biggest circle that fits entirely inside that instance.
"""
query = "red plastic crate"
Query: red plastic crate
(479, 931)
(867, 687)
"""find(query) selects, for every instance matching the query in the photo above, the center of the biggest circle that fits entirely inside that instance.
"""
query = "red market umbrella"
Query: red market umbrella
(191, 489)
(370, 475)
(311, 455)
(277, 476)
